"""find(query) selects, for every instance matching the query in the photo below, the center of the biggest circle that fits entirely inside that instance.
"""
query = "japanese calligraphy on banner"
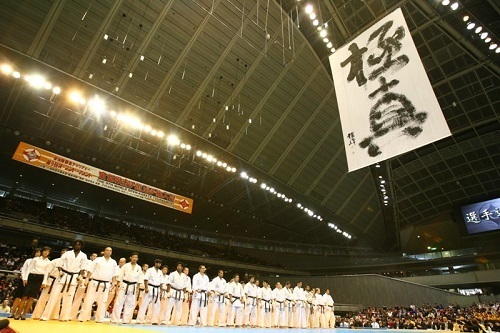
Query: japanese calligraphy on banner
(70, 168)
(386, 102)
(482, 216)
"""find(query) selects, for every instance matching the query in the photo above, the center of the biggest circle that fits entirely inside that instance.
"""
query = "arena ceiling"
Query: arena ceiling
(202, 69)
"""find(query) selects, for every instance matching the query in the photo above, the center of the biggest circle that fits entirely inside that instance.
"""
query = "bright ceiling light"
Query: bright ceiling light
(228, 168)
(312, 16)
(75, 97)
(493, 46)
(263, 185)
(319, 28)
(466, 18)
(6, 69)
(183, 145)
(332, 50)
(219, 163)
(329, 45)
(17, 75)
(497, 50)
(198, 153)
(478, 29)
(323, 33)
(36, 81)
(174, 141)
(326, 40)
(224, 164)
(454, 6)
(48, 85)
(204, 155)
(315, 23)
(210, 158)
(487, 40)
(484, 35)
(233, 169)
(153, 132)
(161, 134)
(309, 9)
(56, 90)
(244, 175)
(188, 147)
(445, 2)
(471, 25)
(97, 105)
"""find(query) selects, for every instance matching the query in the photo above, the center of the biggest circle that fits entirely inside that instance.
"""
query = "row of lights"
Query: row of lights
(484, 35)
(98, 107)
(345, 234)
(36, 81)
(211, 159)
(321, 28)
(383, 190)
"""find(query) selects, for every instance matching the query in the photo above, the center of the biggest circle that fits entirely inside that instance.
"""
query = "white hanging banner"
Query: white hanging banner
(386, 102)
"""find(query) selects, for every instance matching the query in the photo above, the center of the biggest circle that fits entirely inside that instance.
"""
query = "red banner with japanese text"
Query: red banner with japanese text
(49, 161)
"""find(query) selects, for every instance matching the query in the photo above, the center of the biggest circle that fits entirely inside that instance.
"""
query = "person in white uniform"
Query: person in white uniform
(280, 310)
(320, 306)
(81, 288)
(329, 310)
(218, 289)
(265, 304)
(290, 304)
(53, 277)
(300, 309)
(129, 277)
(71, 268)
(236, 293)
(164, 296)
(112, 291)
(176, 285)
(250, 312)
(101, 278)
(152, 284)
(201, 292)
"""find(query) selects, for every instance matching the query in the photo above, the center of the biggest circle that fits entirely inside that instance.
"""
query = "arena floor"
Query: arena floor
(30, 326)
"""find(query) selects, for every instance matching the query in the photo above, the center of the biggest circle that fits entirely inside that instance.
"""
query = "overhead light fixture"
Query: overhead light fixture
(479, 29)
(471, 25)
(484, 35)
(487, 40)
(97, 105)
(6, 69)
(466, 18)
(315, 23)
(326, 40)
(36, 81)
(332, 50)
(320, 28)
(493, 46)
(445, 2)
(174, 141)
(198, 153)
(312, 16)
(309, 9)
(497, 50)
(75, 97)
(56, 90)
(454, 6)
(329, 45)
(323, 33)
(17, 75)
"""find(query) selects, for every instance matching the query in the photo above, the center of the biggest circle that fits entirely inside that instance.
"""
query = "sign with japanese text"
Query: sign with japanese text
(386, 103)
(482, 216)
(49, 161)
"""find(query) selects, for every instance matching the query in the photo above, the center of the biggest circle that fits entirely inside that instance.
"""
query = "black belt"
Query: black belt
(267, 305)
(220, 297)
(253, 302)
(128, 285)
(322, 308)
(281, 305)
(157, 292)
(178, 293)
(311, 307)
(70, 280)
(99, 283)
(203, 298)
(235, 298)
(290, 303)
(52, 284)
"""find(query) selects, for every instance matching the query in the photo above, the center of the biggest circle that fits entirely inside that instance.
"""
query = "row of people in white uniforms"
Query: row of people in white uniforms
(165, 295)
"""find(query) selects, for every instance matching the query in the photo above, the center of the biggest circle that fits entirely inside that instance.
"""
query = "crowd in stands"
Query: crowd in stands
(80, 222)
(479, 317)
